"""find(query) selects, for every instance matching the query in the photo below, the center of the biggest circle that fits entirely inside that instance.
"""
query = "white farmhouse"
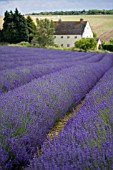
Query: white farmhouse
(67, 32)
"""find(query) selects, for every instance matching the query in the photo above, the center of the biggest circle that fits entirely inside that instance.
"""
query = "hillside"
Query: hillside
(101, 24)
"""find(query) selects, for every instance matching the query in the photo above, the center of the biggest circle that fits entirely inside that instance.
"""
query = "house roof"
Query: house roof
(70, 27)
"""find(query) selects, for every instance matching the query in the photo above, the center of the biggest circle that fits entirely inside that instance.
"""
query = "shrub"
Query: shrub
(108, 47)
(24, 43)
(86, 44)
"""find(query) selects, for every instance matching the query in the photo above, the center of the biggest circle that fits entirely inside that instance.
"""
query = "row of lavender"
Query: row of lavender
(15, 77)
(86, 142)
(29, 112)
(12, 57)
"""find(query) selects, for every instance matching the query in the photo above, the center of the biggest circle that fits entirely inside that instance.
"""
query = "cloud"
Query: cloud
(30, 6)
(5, 0)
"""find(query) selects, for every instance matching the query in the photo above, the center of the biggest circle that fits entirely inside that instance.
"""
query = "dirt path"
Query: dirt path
(61, 123)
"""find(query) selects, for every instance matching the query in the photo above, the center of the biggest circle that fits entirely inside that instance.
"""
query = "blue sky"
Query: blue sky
(30, 6)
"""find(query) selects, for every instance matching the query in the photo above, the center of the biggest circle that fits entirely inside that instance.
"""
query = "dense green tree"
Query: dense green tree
(94, 34)
(89, 12)
(86, 44)
(1, 36)
(15, 27)
(21, 27)
(108, 45)
(31, 27)
(8, 27)
(44, 35)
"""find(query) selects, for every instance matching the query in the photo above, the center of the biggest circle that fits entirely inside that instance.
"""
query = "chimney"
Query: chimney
(81, 19)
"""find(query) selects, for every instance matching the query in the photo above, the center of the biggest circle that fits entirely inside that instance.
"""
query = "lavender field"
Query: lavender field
(37, 88)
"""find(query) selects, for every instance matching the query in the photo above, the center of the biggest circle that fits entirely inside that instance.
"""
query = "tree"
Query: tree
(15, 27)
(94, 35)
(86, 44)
(8, 27)
(1, 36)
(31, 27)
(44, 33)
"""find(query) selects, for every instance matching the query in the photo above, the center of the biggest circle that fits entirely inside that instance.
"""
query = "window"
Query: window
(68, 36)
(61, 36)
(61, 45)
(68, 45)
(75, 37)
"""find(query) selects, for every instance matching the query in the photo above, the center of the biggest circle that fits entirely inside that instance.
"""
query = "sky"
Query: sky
(32, 6)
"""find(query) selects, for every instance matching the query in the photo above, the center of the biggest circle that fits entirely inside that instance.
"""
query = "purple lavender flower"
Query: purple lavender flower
(30, 111)
(86, 142)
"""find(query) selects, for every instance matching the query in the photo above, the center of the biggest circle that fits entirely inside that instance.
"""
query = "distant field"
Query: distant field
(101, 24)
(1, 21)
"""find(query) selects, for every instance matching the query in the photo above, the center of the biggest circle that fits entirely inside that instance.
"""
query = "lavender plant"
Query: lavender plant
(10, 79)
(13, 57)
(86, 142)
(27, 113)
(17, 76)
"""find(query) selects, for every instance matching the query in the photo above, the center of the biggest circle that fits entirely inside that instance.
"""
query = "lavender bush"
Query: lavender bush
(86, 142)
(28, 64)
(10, 79)
(12, 57)
(29, 112)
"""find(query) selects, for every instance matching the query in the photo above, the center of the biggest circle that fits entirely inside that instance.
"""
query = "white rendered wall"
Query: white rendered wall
(66, 40)
(87, 32)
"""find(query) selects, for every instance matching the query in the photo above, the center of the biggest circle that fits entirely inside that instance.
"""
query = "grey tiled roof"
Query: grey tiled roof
(69, 27)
